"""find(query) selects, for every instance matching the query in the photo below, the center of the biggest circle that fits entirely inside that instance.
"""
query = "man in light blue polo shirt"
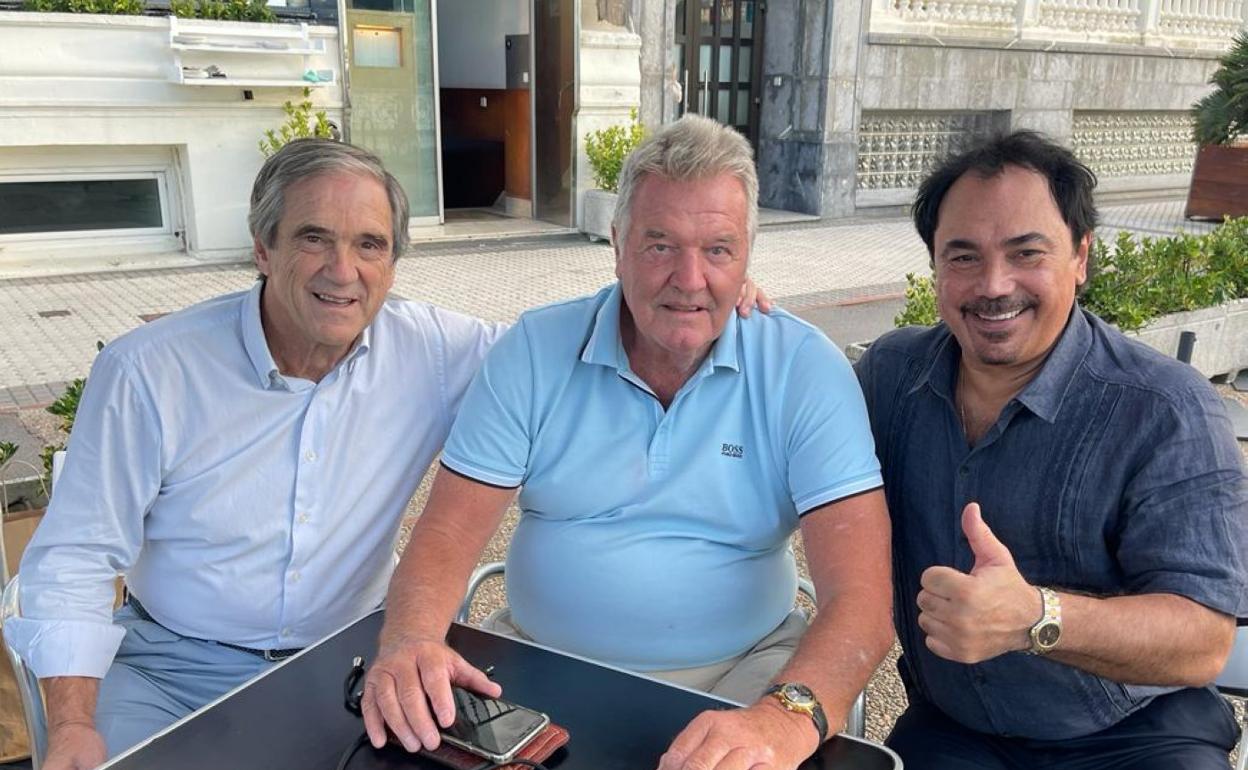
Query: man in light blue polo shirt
(666, 451)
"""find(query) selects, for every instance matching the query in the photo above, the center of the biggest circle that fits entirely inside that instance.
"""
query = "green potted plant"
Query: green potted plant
(1220, 126)
(606, 149)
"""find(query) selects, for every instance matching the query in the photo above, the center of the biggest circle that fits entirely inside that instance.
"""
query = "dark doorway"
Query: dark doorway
(719, 44)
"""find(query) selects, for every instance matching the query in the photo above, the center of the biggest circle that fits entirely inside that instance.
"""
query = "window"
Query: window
(133, 203)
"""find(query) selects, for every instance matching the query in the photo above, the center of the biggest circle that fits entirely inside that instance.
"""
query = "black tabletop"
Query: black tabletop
(293, 718)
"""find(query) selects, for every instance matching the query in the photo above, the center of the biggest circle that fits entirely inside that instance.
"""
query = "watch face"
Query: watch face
(798, 694)
(1048, 634)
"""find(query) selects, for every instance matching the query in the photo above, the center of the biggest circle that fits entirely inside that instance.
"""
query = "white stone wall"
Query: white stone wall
(82, 91)
(609, 89)
(1109, 102)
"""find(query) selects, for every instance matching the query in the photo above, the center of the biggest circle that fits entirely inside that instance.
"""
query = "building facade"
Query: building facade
(132, 141)
(853, 100)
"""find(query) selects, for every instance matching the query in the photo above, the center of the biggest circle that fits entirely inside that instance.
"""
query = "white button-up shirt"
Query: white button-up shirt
(242, 505)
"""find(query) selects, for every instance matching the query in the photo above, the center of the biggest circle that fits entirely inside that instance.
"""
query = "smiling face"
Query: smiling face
(1006, 270)
(681, 266)
(328, 270)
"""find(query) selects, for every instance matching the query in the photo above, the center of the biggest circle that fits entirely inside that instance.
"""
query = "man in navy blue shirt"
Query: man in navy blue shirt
(1069, 506)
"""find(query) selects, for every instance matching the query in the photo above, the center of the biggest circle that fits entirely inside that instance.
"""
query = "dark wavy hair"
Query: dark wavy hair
(1070, 182)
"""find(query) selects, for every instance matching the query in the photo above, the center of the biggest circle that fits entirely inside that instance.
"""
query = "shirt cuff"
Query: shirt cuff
(848, 488)
(483, 475)
(64, 647)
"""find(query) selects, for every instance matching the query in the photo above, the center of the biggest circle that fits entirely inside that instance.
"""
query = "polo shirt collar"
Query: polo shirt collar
(606, 348)
(257, 345)
(1044, 394)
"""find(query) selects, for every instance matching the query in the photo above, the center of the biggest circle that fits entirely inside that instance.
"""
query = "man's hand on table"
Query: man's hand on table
(408, 678)
(764, 736)
(74, 746)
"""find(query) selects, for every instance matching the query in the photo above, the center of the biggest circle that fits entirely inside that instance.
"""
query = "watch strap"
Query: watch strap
(815, 713)
(1050, 615)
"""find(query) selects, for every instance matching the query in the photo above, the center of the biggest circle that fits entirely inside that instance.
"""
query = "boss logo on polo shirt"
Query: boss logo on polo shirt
(732, 450)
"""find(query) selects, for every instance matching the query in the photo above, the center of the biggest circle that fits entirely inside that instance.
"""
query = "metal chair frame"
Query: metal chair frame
(1234, 681)
(28, 688)
(856, 723)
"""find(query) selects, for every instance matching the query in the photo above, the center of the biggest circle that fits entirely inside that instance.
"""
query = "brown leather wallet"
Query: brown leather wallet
(538, 749)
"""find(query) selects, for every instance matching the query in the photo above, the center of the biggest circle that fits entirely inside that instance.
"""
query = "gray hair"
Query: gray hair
(304, 158)
(692, 148)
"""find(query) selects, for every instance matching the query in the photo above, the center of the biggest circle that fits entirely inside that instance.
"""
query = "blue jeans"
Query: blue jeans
(1191, 729)
(158, 677)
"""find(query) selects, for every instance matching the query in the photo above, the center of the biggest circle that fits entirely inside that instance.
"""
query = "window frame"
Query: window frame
(160, 174)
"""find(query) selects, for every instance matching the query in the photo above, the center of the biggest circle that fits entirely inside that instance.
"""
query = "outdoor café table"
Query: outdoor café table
(292, 717)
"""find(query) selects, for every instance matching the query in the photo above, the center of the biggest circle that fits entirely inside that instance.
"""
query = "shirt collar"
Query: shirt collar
(1044, 394)
(257, 345)
(253, 339)
(606, 348)
(940, 374)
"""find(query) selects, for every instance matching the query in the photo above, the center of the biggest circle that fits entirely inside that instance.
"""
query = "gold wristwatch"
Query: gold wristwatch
(1047, 631)
(800, 699)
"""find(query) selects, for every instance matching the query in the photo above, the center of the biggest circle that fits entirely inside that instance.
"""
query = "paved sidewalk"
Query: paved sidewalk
(49, 326)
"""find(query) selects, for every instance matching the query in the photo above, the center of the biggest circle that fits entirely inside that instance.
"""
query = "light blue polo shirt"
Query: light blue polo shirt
(657, 539)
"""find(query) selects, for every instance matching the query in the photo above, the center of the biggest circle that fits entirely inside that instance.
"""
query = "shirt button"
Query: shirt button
(285, 632)
(294, 576)
(302, 518)
(963, 470)
(309, 455)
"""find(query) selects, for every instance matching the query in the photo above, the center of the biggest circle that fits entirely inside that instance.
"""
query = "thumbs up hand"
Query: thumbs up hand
(975, 616)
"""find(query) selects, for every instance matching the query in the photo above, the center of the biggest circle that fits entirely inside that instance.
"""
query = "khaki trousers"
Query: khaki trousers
(741, 679)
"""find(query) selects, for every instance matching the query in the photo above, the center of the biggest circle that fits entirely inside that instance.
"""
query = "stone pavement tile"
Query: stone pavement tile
(800, 264)
(1164, 217)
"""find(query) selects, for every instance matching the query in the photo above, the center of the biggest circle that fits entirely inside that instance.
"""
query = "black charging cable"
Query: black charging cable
(353, 693)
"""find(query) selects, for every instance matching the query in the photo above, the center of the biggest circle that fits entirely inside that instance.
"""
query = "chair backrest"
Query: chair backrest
(27, 683)
(58, 464)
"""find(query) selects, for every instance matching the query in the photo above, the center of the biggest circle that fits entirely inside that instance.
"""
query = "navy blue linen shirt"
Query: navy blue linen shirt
(1115, 471)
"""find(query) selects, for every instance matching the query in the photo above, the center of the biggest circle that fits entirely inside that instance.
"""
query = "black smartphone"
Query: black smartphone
(491, 728)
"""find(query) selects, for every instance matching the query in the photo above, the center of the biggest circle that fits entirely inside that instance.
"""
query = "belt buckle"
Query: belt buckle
(274, 656)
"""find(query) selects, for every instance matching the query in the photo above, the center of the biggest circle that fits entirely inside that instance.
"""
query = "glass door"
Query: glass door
(718, 44)
(554, 101)
(392, 97)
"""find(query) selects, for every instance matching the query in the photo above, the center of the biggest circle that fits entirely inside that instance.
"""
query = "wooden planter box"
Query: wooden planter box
(1219, 183)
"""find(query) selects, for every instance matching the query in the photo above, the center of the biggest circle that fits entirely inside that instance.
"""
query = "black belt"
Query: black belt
(270, 655)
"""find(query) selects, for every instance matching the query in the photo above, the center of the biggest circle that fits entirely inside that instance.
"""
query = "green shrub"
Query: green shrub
(920, 309)
(229, 10)
(123, 7)
(608, 147)
(223, 10)
(301, 122)
(65, 407)
(1139, 279)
